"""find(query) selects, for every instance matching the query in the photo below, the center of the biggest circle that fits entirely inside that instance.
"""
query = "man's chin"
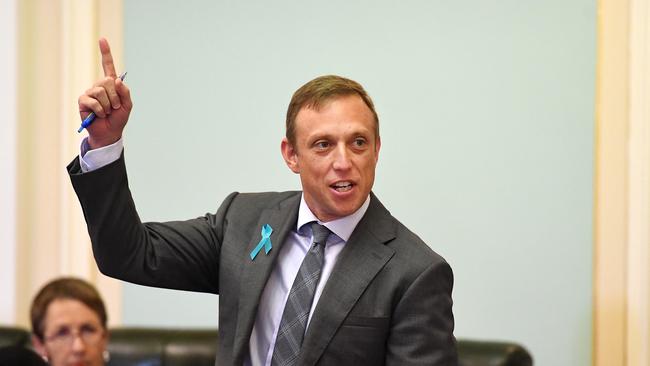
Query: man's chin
(337, 205)
(345, 210)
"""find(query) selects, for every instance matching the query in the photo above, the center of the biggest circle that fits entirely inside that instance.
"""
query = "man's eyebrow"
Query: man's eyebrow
(319, 136)
(364, 133)
(329, 136)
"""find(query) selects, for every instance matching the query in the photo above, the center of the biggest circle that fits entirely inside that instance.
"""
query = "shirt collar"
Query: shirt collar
(342, 227)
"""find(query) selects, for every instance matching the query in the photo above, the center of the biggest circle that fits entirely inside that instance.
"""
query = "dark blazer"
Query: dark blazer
(387, 301)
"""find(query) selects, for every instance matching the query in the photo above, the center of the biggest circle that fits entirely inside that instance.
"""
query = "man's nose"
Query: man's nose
(342, 158)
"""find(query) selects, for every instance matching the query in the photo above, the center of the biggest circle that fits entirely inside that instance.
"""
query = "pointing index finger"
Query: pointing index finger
(107, 58)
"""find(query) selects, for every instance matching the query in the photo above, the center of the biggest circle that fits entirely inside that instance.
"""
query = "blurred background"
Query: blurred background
(514, 142)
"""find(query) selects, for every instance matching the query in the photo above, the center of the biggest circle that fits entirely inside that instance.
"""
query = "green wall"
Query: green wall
(487, 127)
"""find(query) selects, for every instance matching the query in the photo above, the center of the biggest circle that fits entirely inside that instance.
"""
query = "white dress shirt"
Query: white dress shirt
(95, 159)
(294, 250)
(276, 292)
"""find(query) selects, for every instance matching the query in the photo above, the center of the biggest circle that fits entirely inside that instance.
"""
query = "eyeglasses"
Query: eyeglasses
(65, 336)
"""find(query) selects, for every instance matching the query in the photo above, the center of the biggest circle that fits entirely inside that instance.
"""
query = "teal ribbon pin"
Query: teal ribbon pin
(265, 242)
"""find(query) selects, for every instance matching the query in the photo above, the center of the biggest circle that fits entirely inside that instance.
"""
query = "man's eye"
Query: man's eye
(322, 144)
(359, 142)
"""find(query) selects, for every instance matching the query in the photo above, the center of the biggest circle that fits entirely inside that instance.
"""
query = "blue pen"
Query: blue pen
(91, 117)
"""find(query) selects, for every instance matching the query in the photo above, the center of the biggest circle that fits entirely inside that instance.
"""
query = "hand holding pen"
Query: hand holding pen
(91, 117)
(110, 100)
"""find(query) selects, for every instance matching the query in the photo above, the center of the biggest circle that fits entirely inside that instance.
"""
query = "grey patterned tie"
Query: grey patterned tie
(296, 311)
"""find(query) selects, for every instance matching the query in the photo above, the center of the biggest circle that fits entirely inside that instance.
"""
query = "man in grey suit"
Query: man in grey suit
(325, 276)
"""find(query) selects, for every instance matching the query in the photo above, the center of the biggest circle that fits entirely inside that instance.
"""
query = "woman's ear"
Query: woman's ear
(39, 347)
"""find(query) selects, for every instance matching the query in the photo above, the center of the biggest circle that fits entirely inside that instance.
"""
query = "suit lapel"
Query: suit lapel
(364, 255)
(255, 273)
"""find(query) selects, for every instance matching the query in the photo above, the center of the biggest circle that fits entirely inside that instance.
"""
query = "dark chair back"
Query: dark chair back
(196, 347)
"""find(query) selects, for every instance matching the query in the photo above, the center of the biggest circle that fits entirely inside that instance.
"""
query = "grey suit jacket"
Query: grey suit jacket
(387, 301)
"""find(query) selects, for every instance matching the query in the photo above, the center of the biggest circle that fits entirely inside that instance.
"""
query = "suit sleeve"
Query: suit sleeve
(181, 255)
(423, 323)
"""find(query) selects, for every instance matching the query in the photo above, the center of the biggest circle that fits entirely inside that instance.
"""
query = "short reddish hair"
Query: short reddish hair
(319, 91)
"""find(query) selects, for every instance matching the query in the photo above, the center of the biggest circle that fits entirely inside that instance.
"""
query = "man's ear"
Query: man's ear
(39, 347)
(377, 147)
(290, 155)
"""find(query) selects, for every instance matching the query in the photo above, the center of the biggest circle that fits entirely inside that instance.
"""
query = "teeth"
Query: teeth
(342, 186)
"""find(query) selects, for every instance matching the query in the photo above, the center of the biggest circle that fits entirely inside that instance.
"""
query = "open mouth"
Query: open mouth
(342, 186)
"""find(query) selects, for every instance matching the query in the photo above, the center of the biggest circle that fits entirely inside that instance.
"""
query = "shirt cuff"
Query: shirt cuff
(94, 159)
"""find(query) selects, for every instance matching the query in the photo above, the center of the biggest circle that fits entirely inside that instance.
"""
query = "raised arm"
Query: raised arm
(180, 255)
(110, 99)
